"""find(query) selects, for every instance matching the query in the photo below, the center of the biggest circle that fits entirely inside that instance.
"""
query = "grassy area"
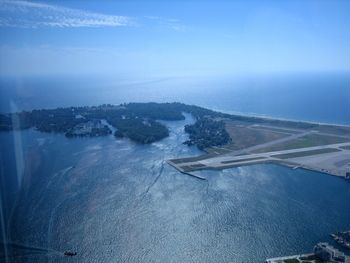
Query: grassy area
(217, 150)
(304, 153)
(285, 124)
(280, 130)
(243, 160)
(243, 136)
(309, 140)
(338, 130)
(199, 165)
(310, 259)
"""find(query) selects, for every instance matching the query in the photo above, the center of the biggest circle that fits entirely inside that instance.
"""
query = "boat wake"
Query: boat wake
(22, 250)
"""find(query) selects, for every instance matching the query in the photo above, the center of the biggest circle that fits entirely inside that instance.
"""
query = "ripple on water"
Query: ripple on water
(123, 203)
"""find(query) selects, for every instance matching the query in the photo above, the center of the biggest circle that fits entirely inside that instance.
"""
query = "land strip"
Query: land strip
(320, 148)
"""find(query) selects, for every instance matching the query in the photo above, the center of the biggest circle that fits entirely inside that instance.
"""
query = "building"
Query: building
(327, 253)
(347, 176)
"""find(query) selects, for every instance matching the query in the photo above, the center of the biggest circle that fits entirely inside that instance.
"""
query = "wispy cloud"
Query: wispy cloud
(27, 14)
(171, 23)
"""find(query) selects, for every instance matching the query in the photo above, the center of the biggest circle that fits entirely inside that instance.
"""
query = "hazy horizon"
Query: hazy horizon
(156, 39)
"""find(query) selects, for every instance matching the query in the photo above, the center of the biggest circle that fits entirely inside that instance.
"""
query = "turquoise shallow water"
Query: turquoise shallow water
(115, 201)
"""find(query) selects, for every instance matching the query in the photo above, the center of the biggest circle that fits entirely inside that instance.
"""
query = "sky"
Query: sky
(173, 38)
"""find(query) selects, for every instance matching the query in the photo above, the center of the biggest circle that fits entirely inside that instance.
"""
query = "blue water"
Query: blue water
(116, 201)
(313, 97)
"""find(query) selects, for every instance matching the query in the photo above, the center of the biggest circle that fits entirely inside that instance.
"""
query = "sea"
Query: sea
(112, 200)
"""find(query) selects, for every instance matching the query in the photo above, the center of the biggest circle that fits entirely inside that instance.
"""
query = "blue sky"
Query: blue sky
(173, 38)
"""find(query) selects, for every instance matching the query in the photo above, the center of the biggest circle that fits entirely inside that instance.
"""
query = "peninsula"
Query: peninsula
(226, 140)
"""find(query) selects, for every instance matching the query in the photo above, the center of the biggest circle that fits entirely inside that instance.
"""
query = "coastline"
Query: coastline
(269, 117)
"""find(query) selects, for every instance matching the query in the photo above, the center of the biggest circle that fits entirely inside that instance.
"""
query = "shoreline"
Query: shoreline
(230, 112)
(269, 117)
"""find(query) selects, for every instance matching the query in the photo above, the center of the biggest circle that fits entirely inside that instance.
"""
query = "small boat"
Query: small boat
(70, 253)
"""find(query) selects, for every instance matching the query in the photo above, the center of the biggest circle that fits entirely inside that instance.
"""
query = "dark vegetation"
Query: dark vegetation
(293, 260)
(95, 132)
(136, 121)
(142, 132)
(311, 258)
(91, 128)
(305, 153)
(207, 132)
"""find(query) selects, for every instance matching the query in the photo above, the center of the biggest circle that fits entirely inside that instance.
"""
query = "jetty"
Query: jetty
(184, 172)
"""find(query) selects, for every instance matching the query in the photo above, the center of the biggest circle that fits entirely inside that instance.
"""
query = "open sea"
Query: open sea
(115, 201)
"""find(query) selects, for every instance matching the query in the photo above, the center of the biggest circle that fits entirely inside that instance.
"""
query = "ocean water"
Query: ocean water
(115, 201)
(313, 97)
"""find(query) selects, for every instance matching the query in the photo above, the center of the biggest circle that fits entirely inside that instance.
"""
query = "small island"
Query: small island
(137, 121)
(226, 140)
(206, 133)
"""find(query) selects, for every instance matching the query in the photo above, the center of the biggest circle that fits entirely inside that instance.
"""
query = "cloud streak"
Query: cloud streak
(171, 23)
(24, 14)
